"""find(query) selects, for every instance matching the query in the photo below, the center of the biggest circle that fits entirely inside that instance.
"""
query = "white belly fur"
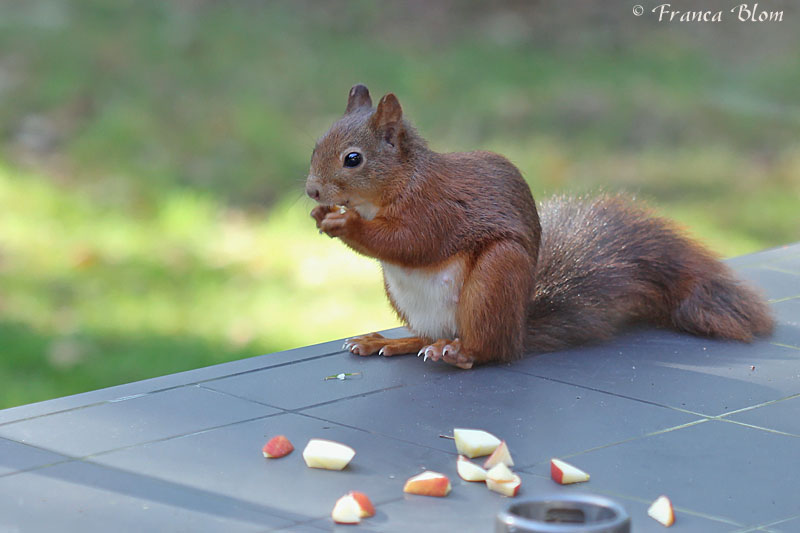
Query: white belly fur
(428, 297)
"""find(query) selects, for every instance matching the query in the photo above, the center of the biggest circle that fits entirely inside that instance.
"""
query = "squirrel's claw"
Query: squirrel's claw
(375, 343)
(431, 352)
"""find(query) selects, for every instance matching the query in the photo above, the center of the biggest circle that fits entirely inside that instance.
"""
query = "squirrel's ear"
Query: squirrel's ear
(358, 97)
(388, 118)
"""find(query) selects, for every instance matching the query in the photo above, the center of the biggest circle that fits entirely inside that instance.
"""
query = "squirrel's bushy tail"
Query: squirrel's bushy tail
(605, 262)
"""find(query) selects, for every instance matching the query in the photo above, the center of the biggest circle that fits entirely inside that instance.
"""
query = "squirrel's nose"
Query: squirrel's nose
(312, 191)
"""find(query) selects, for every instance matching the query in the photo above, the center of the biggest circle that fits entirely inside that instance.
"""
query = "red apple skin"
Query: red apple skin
(501, 448)
(367, 509)
(438, 487)
(556, 473)
(277, 447)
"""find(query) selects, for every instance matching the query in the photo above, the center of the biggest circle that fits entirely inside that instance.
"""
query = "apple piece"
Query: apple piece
(277, 447)
(499, 455)
(501, 479)
(327, 454)
(475, 442)
(347, 510)
(506, 488)
(367, 509)
(500, 473)
(469, 471)
(661, 511)
(428, 483)
(565, 473)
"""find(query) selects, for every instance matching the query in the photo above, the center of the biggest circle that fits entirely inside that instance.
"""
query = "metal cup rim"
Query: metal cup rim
(618, 522)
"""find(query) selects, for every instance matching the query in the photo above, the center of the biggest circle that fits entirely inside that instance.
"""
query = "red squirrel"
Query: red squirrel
(479, 275)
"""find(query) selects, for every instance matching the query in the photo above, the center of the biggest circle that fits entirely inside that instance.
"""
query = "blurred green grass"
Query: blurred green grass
(94, 297)
(152, 156)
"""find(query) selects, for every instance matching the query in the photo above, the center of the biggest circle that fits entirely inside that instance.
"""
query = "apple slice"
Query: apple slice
(321, 453)
(475, 442)
(277, 447)
(565, 473)
(661, 511)
(499, 455)
(506, 488)
(428, 483)
(367, 509)
(469, 471)
(501, 479)
(347, 510)
(500, 473)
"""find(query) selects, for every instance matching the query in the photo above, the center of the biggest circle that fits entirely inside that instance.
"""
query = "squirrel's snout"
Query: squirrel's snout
(312, 191)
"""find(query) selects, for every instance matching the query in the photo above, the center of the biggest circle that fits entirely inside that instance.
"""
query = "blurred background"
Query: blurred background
(153, 154)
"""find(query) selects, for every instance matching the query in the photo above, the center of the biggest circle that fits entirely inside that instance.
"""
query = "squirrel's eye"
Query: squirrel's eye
(353, 159)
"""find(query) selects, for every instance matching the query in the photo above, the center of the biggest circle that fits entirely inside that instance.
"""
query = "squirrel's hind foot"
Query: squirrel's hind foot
(375, 343)
(449, 351)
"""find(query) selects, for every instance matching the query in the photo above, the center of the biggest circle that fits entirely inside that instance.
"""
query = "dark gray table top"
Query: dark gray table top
(714, 425)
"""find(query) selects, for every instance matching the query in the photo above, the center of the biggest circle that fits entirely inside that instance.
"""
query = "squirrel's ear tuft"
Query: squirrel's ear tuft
(388, 117)
(358, 97)
(388, 112)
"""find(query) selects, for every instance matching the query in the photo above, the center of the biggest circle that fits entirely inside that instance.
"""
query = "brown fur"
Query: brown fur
(606, 262)
(590, 267)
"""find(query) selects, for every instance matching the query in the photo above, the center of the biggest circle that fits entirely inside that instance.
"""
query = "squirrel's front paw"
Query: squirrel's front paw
(319, 212)
(338, 224)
